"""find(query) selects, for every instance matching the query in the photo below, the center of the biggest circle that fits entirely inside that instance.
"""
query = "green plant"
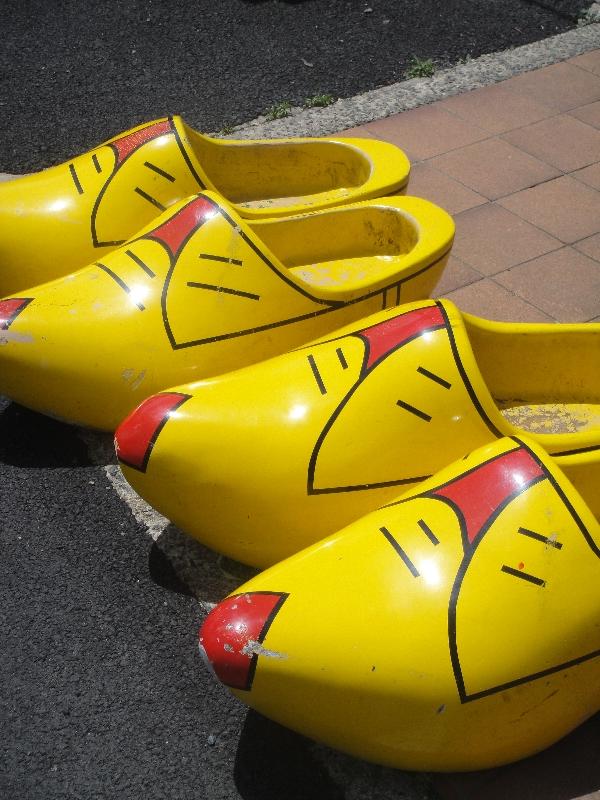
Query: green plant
(420, 68)
(319, 101)
(279, 110)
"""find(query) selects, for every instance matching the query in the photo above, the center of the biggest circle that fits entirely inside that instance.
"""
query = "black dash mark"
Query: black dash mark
(525, 576)
(152, 200)
(428, 532)
(223, 259)
(76, 181)
(432, 376)
(398, 295)
(413, 570)
(384, 302)
(539, 538)
(341, 358)
(159, 171)
(119, 281)
(417, 412)
(317, 374)
(236, 292)
(140, 263)
(96, 163)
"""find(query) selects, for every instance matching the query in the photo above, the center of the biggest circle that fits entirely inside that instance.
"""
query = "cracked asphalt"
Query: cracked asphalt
(103, 693)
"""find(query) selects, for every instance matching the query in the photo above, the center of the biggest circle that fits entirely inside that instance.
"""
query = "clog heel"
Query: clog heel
(269, 459)
(201, 291)
(455, 628)
(58, 220)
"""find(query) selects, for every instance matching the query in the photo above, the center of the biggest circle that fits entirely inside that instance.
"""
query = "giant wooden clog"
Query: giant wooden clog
(201, 291)
(272, 458)
(56, 221)
(454, 629)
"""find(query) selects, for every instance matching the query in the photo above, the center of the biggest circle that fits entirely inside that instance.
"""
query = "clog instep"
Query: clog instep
(58, 220)
(201, 291)
(455, 628)
(270, 459)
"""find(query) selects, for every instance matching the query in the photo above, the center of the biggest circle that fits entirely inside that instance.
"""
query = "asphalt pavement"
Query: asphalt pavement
(103, 693)
(73, 73)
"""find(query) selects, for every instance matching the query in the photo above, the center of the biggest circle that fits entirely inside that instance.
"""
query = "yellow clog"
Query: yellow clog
(454, 629)
(272, 458)
(58, 220)
(201, 291)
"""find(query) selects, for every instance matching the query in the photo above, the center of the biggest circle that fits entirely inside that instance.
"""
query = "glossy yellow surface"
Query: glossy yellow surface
(201, 291)
(58, 220)
(271, 458)
(454, 629)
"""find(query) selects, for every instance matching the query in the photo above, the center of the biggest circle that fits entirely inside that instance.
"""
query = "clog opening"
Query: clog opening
(342, 246)
(544, 379)
(271, 174)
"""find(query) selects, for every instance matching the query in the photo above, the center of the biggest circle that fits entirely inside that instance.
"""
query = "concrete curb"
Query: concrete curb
(383, 102)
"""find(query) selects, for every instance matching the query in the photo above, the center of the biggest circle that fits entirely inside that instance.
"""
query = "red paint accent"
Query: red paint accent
(480, 493)
(131, 141)
(393, 332)
(180, 225)
(230, 627)
(136, 435)
(10, 309)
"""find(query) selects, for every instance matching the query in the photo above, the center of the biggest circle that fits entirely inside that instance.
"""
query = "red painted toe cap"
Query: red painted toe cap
(232, 633)
(136, 435)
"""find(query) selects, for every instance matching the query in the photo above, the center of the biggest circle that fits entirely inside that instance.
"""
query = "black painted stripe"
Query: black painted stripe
(75, 177)
(428, 532)
(416, 411)
(525, 576)
(432, 376)
(96, 163)
(341, 358)
(225, 290)
(413, 570)
(539, 538)
(152, 200)
(140, 263)
(317, 374)
(119, 281)
(236, 261)
(159, 171)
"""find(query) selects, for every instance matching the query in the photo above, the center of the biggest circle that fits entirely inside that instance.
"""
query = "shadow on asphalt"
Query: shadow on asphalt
(272, 763)
(180, 564)
(28, 439)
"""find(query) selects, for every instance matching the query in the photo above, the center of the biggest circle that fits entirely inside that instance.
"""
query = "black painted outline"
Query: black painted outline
(117, 167)
(341, 358)
(428, 532)
(413, 410)
(402, 553)
(283, 596)
(463, 374)
(524, 576)
(119, 281)
(546, 475)
(75, 178)
(160, 171)
(155, 435)
(237, 262)
(150, 199)
(312, 464)
(96, 163)
(539, 538)
(140, 263)
(223, 289)
(435, 378)
(331, 305)
(316, 374)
